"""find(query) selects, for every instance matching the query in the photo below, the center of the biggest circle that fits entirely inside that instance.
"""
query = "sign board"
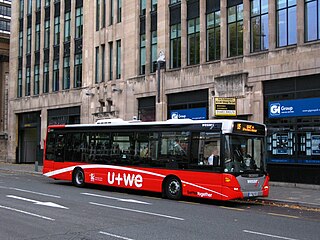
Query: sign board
(225, 107)
(192, 113)
(294, 108)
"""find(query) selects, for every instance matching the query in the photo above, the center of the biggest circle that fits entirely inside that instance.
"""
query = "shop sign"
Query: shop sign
(192, 113)
(225, 107)
(294, 108)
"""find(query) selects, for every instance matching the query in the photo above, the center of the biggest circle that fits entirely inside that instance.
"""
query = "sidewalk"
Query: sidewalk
(289, 193)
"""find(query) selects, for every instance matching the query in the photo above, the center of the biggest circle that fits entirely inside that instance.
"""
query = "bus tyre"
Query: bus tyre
(78, 177)
(173, 188)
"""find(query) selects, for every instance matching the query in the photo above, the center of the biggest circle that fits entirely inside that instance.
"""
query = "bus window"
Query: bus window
(146, 147)
(60, 148)
(175, 146)
(122, 148)
(50, 146)
(205, 151)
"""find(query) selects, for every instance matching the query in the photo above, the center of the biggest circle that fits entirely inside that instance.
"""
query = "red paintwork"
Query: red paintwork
(194, 184)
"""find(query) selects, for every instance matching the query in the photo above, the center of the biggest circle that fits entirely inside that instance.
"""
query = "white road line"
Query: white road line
(48, 204)
(28, 213)
(116, 236)
(138, 211)
(269, 235)
(118, 199)
(37, 193)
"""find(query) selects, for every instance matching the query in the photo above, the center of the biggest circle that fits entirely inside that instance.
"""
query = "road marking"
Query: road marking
(48, 204)
(28, 213)
(269, 235)
(37, 193)
(118, 199)
(138, 211)
(230, 208)
(116, 236)
(189, 202)
(283, 215)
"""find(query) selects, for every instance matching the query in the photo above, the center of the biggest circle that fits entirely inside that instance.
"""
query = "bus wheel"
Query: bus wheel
(173, 188)
(78, 177)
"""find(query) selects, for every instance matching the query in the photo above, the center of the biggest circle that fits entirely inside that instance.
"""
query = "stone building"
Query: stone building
(5, 17)
(75, 61)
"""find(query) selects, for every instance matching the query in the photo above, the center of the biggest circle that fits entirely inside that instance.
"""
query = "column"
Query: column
(223, 37)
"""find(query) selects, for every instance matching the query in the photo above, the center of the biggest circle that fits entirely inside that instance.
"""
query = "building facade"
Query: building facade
(77, 61)
(5, 18)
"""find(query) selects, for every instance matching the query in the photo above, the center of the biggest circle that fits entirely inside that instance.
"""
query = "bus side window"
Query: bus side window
(50, 146)
(60, 148)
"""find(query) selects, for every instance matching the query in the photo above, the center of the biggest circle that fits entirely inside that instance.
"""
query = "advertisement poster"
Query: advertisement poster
(282, 144)
(315, 144)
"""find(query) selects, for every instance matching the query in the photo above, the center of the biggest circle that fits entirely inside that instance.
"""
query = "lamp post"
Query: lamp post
(160, 64)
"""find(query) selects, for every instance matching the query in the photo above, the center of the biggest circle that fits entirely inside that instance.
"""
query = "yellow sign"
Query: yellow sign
(225, 107)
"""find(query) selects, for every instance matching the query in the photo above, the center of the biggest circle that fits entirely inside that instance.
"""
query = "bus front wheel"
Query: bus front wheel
(78, 177)
(173, 188)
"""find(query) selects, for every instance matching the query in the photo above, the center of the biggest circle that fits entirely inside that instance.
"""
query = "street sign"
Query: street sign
(225, 106)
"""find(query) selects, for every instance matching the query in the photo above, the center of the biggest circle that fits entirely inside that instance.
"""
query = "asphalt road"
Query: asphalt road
(35, 207)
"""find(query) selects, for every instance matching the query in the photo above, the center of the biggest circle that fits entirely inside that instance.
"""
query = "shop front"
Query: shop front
(292, 115)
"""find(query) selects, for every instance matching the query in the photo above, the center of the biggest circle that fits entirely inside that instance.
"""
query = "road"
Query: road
(35, 207)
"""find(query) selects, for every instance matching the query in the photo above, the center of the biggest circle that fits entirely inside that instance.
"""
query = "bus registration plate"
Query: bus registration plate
(253, 194)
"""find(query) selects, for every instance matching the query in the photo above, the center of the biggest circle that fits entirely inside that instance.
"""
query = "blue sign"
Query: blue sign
(294, 161)
(192, 113)
(295, 108)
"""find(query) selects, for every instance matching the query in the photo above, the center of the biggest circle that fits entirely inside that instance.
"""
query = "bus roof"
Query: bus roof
(227, 125)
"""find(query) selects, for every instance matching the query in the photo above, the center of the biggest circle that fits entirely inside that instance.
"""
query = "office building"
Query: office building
(79, 61)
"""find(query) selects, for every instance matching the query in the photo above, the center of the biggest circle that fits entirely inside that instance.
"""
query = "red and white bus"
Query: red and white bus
(171, 157)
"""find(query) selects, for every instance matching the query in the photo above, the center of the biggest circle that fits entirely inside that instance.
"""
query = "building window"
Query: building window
(235, 30)
(28, 83)
(66, 73)
(119, 11)
(154, 5)
(36, 80)
(142, 53)
(67, 24)
(38, 5)
(193, 32)
(45, 77)
(286, 23)
(111, 12)
(154, 47)
(312, 20)
(103, 17)
(97, 15)
(103, 62)
(78, 70)
(19, 90)
(37, 38)
(47, 34)
(21, 12)
(20, 44)
(29, 7)
(175, 46)
(29, 40)
(57, 30)
(97, 65)
(174, 1)
(259, 25)
(55, 79)
(213, 36)
(79, 23)
(110, 60)
(118, 73)
(47, 3)
(143, 5)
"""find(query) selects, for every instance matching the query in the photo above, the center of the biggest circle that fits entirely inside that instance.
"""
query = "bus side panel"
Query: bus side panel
(48, 166)
(201, 184)
(231, 187)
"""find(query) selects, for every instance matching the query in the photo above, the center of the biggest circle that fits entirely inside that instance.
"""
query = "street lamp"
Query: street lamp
(160, 64)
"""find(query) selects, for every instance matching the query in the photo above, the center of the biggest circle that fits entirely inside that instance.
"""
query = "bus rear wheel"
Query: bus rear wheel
(173, 188)
(78, 177)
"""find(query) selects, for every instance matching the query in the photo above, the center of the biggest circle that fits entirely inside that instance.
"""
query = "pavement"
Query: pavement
(293, 194)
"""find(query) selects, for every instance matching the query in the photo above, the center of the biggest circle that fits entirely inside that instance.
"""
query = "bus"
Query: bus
(173, 157)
